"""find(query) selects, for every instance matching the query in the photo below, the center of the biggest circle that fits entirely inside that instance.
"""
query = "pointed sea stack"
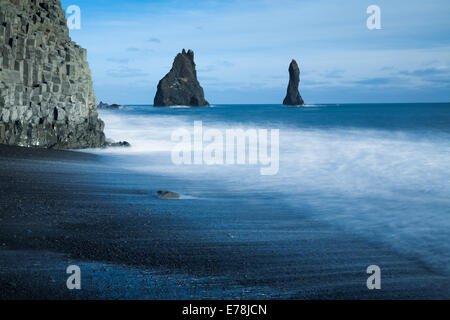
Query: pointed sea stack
(293, 97)
(180, 86)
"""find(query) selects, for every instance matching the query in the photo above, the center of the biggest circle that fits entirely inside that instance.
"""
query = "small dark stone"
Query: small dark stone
(168, 195)
(293, 97)
(180, 86)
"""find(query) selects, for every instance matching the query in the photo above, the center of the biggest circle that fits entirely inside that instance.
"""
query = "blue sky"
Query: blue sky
(243, 48)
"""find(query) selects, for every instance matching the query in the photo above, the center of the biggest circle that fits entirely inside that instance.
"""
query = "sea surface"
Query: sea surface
(380, 172)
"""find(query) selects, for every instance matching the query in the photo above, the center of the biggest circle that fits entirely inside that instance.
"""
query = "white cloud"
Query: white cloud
(257, 40)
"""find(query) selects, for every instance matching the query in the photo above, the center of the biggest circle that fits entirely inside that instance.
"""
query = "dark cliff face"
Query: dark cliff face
(180, 86)
(293, 97)
(46, 92)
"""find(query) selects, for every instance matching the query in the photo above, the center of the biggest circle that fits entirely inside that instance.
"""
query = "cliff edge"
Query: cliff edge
(46, 91)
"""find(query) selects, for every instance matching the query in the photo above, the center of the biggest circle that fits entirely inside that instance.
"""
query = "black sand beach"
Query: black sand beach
(59, 208)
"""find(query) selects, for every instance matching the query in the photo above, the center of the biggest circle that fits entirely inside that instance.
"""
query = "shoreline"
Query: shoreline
(65, 207)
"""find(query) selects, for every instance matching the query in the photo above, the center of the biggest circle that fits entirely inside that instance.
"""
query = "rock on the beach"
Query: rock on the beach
(117, 144)
(180, 86)
(46, 91)
(293, 97)
(103, 105)
(168, 195)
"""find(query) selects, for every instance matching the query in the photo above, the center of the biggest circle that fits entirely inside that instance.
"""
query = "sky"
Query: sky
(243, 48)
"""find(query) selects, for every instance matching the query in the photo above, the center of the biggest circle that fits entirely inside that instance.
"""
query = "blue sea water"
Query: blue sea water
(380, 171)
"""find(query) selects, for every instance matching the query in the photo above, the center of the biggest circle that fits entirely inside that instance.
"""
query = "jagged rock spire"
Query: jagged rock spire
(293, 97)
(180, 86)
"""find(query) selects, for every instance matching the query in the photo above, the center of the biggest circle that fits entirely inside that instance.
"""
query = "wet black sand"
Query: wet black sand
(59, 208)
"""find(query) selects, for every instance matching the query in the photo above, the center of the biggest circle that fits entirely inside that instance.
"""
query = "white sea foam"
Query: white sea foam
(389, 186)
(313, 106)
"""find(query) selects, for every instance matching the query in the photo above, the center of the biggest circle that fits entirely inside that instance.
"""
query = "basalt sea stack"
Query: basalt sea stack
(293, 97)
(46, 92)
(180, 86)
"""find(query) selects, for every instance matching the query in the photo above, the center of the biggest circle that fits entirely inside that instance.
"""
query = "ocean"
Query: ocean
(379, 172)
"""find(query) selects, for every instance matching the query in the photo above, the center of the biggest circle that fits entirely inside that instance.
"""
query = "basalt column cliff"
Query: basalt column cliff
(46, 92)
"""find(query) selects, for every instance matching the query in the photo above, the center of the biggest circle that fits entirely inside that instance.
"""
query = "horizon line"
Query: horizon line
(280, 104)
